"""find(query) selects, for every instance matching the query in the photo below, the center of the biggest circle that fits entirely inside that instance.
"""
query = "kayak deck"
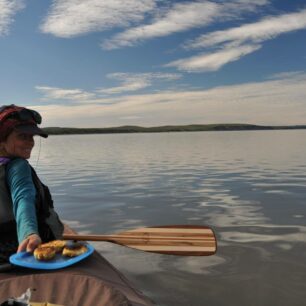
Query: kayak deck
(91, 282)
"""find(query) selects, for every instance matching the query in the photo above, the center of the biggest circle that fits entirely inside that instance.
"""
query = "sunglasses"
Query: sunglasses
(19, 113)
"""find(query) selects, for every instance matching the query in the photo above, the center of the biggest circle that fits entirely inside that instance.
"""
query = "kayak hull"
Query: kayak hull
(91, 282)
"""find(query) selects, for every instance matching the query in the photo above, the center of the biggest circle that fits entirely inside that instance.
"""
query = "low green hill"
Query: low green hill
(166, 128)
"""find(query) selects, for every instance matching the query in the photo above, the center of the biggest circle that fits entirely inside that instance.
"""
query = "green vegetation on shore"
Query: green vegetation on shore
(166, 128)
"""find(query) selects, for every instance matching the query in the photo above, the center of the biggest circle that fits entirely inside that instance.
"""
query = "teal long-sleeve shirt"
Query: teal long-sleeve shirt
(23, 192)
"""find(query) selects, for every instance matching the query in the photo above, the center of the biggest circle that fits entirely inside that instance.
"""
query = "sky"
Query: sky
(98, 63)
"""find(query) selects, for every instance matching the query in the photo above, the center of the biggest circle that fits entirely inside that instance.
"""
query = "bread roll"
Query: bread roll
(73, 250)
(58, 245)
(44, 253)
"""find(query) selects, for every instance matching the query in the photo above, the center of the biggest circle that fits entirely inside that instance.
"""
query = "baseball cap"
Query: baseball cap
(30, 128)
(21, 119)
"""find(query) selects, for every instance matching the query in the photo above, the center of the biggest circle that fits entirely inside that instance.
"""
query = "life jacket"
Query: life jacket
(49, 225)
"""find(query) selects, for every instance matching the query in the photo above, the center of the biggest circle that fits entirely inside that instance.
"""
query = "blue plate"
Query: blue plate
(27, 260)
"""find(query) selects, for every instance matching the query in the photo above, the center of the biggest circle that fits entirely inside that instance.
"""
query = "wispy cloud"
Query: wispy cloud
(285, 96)
(133, 81)
(8, 8)
(54, 93)
(213, 61)
(129, 82)
(268, 28)
(234, 43)
(69, 18)
(178, 18)
(294, 75)
(181, 17)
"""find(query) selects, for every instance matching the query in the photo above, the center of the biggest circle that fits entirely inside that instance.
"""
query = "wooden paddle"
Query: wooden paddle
(184, 240)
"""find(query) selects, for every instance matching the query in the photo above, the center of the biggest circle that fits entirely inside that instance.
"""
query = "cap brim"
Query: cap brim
(32, 129)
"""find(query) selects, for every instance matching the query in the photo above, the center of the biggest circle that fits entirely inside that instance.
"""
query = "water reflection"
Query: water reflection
(247, 185)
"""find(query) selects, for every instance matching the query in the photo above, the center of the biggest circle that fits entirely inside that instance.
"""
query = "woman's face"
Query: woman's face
(18, 144)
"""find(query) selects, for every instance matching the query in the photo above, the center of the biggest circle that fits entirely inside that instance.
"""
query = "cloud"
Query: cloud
(136, 81)
(178, 18)
(8, 8)
(130, 82)
(268, 28)
(54, 93)
(69, 18)
(272, 102)
(213, 61)
(236, 42)
(181, 17)
(294, 75)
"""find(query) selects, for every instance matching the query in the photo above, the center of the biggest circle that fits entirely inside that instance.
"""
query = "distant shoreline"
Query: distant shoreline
(167, 128)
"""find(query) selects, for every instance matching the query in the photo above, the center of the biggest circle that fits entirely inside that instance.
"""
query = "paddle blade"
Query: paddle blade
(183, 240)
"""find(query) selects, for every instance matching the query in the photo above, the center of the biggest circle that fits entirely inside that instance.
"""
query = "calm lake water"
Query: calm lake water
(249, 186)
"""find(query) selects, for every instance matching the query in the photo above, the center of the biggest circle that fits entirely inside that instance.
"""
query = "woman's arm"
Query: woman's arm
(23, 192)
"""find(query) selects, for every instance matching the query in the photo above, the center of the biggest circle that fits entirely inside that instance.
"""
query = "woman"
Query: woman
(27, 217)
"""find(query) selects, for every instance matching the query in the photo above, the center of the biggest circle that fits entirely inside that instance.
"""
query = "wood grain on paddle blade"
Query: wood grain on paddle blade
(187, 240)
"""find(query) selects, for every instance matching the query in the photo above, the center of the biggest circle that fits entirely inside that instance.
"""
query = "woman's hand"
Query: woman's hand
(29, 244)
